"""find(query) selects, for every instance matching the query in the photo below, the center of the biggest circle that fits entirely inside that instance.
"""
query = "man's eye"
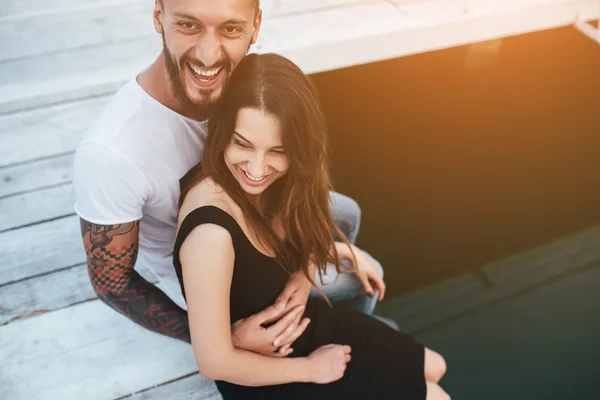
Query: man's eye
(187, 25)
(232, 29)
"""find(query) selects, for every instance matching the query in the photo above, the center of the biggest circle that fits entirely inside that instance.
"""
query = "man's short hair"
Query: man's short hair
(256, 3)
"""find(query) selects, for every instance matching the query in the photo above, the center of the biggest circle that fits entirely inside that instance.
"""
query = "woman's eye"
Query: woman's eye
(242, 145)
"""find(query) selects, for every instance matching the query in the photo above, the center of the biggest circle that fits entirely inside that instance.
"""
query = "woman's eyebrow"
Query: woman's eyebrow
(280, 147)
(241, 137)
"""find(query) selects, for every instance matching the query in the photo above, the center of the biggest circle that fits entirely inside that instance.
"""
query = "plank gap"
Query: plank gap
(56, 185)
(486, 303)
(148, 389)
(32, 160)
(41, 274)
(33, 57)
(14, 228)
(66, 101)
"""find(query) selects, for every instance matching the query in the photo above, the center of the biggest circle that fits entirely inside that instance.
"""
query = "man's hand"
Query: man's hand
(250, 333)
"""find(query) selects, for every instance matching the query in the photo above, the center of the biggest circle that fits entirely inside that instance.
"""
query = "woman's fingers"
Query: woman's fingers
(380, 284)
(299, 331)
(288, 321)
(364, 279)
(285, 334)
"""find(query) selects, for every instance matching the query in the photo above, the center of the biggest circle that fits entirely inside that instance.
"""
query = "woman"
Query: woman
(255, 211)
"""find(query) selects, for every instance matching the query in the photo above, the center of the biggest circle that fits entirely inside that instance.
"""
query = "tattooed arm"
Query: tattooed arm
(111, 254)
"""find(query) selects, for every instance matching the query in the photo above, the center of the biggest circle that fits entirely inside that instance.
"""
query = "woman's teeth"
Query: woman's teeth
(253, 178)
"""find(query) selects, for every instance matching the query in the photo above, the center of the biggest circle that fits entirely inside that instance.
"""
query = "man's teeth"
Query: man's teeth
(208, 74)
(253, 178)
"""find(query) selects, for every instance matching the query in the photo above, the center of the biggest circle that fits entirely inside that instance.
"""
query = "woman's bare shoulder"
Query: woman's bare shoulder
(207, 193)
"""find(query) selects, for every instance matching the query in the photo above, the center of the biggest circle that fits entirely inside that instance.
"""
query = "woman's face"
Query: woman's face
(255, 154)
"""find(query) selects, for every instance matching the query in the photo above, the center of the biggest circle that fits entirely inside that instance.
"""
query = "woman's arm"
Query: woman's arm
(207, 258)
(366, 271)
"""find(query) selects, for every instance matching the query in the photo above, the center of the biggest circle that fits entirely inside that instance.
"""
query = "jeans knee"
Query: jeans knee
(346, 214)
(375, 262)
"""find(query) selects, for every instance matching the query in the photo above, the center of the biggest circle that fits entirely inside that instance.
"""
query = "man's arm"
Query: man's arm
(111, 254)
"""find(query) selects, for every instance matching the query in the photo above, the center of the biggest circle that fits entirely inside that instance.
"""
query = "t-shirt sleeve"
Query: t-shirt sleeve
(109, 188)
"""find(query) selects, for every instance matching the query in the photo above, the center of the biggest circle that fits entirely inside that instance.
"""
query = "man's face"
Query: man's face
(203, 41)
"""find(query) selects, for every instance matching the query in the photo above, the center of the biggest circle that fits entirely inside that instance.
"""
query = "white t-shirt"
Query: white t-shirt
(127, 168)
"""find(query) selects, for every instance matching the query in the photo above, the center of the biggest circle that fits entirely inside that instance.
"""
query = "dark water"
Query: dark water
(463, 156)
(468, 155)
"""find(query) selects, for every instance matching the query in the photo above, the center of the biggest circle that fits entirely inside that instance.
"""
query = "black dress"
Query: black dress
(385, 364)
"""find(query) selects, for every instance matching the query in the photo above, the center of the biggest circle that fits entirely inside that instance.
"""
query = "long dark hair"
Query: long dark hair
(272, 83)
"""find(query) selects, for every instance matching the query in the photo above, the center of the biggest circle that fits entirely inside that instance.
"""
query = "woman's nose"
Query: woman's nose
(257, 166)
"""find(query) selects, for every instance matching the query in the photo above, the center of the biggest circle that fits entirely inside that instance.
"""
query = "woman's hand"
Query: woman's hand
(250, 333)
(366, 271)
(328, 363)
(295, 294)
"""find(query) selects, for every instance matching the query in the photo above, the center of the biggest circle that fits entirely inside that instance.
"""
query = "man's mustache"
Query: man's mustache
(224, 63)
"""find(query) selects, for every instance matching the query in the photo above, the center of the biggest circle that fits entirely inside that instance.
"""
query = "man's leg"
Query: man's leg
(345, 289)
(346, 215)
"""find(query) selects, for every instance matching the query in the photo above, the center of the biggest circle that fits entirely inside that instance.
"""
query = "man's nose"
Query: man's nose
(208, 49)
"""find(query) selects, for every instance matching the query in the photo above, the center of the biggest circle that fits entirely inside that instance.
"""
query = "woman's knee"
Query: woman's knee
(435, 392)
(435, 366)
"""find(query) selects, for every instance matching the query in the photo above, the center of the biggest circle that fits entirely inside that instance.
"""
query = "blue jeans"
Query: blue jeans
(345, 289)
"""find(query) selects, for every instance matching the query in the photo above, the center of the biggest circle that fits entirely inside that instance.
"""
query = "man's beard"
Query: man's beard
(198, 111)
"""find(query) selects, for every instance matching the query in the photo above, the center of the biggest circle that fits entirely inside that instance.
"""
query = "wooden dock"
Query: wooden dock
(60, 61)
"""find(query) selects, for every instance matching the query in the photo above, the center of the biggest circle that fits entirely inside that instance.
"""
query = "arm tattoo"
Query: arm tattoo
(111, 254)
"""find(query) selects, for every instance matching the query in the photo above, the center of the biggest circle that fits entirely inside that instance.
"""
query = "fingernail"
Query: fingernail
(276, 343)
(279, 305)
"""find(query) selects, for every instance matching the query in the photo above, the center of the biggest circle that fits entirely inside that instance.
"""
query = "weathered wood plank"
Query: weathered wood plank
(67, 76)
(87, 351)
(40, 248)
(105, 23)
(41, 205)
(35, 175)
(46, 132)
(336, 25)
(418, 36)
(321, 41)
(24, 8)
(434, 303)
(48, 292)
(45, 293)
(541, 339)
(189, 388)
(282, 8)
(71, 29)
(590, 253)
(540, 262)
(510, 276)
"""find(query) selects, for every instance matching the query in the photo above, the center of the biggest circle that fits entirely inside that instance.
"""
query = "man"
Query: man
(127, 170)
